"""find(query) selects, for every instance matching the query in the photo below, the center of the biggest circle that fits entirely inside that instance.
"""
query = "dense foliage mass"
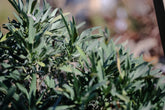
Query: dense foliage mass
(47, 64)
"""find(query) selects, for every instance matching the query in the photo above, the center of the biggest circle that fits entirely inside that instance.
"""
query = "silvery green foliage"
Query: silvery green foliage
(47, 64)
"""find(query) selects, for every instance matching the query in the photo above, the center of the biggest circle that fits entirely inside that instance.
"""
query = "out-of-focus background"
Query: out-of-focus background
(130, 20)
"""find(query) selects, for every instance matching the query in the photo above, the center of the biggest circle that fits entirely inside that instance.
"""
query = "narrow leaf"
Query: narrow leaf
(32, 31)
(82, 54)
(23, 89)
(41, 64)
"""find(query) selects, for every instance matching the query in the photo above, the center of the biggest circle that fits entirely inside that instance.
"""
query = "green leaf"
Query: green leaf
(98, 85)
(2, 78)
(33, 5)
(80, 25)
(10, 94)
(70, 69)
(5, 65)
(23, 89)
(82, 54)
(59, 17)
(87, 33)
(123, 97)
(64, 107)
(54, 12)
(66, 25)
(32, 31)
(15, 75)
(3, 90)
(39, 99)
(100, 72)
(73, 31)
(20, 4)
(148, 107)
(140, 71)
(50, 82)
(14, 4)
(33, 88)
(18, 18)
(41, 64)
(33, 85)
(46, 15)
(28, 5)
(69, 90)
(90, 93)
(45, 5)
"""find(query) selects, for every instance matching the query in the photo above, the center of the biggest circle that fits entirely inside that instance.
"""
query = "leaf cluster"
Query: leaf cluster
(47, 64)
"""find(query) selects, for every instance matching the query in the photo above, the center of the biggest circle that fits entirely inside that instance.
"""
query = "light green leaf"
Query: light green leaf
(5, 65)
(2, 78)
(98, 85)
(140, 71)
(100, 71)
(3, 38)
(28, 5)
(45, 15)
(20, 4)
(18, 18)
(59, 17)
(70, 69)
(69, 90)
(41, 64)
(54, 12)
(32, 31)
(33, 86)
(87, 33)
(123, 97)
(48, 33)
(80, 25)
(82, 54)
(40, 98)
(64, 107)
(50, 82)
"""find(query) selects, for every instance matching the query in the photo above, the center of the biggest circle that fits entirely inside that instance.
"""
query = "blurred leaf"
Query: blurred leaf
(80, 25)
(18, 18)
(50, 82)
(100, 72)
(46, 15)
(33, 87)
(70, 90)
(123, 97)
(14, 4)
(65, 107)
(33, 5)
(10, 94)
(3, 38)
(32, 31)
(148, 107)
(2, 78)
(41, 64)
(20, 4)
(70, 69)
(5, 65)
(59, 17)
(22, 89)
(82, 54)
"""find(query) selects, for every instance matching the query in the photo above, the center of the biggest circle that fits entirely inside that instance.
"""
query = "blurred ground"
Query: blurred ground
(6, 10)
(131, 20)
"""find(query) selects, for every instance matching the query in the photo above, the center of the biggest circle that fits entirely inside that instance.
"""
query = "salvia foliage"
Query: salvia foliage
(46, 63)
